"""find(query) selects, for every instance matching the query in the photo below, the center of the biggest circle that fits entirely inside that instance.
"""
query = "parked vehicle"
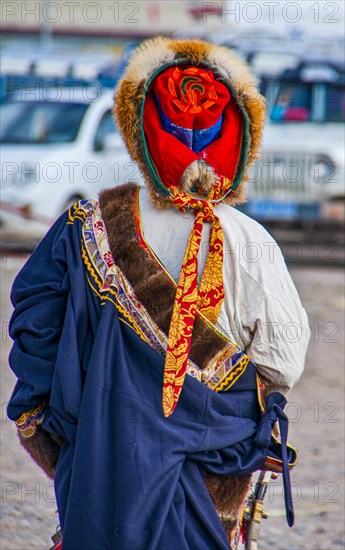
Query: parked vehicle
(56, 151)
(300, 175)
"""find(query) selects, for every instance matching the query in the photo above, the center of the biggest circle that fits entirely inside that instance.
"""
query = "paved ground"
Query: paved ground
(316, 411)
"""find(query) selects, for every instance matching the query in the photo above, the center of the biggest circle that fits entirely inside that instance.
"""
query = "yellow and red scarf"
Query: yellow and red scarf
(207, 298)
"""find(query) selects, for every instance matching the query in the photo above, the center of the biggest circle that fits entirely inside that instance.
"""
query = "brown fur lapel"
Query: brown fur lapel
(151, 285)
(229, 494)
(42, 449)
(156, 292)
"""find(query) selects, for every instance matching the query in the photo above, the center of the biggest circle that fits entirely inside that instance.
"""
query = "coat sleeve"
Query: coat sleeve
(39, 296)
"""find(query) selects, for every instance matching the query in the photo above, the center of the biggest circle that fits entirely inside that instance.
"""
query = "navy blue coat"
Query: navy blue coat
(127, 477)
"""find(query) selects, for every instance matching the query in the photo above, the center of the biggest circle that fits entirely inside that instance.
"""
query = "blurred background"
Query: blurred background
(60, 62)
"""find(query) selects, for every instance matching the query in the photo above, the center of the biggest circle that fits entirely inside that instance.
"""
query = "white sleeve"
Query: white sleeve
(280, 334)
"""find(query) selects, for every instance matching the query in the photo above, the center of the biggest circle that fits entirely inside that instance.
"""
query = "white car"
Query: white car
(300, 175)
(56, 151)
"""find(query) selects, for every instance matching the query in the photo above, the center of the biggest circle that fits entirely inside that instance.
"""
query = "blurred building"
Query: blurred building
(106, 17)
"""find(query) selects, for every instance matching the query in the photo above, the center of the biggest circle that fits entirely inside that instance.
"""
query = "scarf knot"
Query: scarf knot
(185, 203)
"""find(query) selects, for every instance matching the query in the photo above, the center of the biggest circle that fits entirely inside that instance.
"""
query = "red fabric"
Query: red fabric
(223, 153)
(191, 97)
(171, 157)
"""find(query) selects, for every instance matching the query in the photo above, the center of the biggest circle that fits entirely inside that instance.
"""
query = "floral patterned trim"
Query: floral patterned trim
(28, 421)
(232, 376)
(79, 211)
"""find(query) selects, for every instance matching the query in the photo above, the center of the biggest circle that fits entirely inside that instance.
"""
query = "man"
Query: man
(132, 392)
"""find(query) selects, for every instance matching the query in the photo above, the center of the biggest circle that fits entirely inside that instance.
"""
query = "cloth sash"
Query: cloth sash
(274, 412)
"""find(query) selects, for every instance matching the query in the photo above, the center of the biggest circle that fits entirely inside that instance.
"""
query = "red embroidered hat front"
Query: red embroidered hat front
(191, 97)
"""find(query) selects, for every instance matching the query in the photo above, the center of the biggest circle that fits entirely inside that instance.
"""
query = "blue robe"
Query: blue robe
(127, 477)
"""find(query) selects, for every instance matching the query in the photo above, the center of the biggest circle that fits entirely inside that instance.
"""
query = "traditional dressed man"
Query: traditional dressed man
(149, 344)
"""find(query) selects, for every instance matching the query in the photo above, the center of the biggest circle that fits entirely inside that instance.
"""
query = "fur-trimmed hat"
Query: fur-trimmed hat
(154, 57)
